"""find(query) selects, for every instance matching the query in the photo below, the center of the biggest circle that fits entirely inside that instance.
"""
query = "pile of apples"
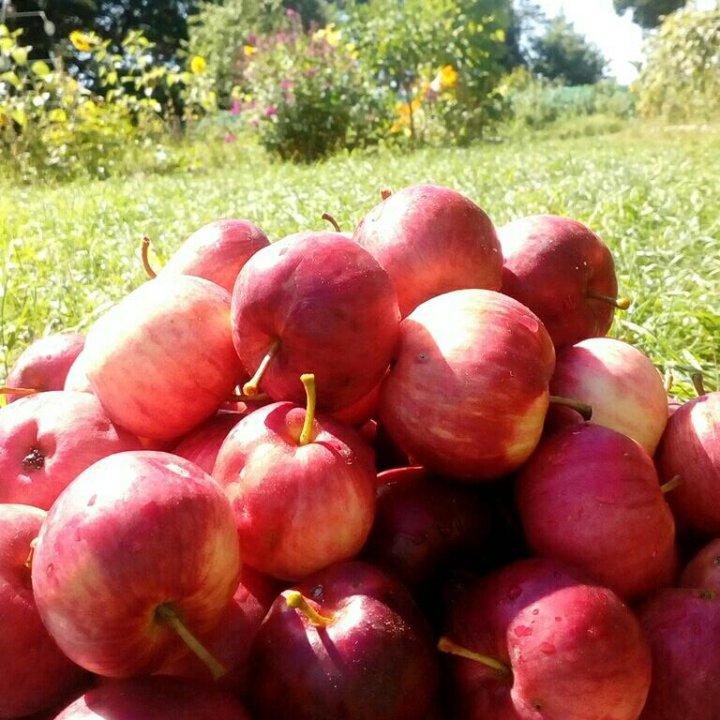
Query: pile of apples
(395, 475)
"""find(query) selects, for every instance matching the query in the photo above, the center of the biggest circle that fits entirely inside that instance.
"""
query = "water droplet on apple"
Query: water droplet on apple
(535, 611)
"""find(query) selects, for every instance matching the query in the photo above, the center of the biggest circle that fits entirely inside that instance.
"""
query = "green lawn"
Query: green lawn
(653, 194)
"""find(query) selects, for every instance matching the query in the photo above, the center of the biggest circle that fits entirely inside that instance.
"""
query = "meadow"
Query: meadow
(651, 192)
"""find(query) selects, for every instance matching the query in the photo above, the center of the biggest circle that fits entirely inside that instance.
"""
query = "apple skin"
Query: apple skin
(202, 444)
(76, 378)
(217, 251)
(690, 448)
(135, 531)
(298, 508)
(230, 640)
(682, 626)
(154, 698)
(162, 360)
(47, 440)
(34, 673)
(590, 496)
(44, 364)
(374, 661)
(468, 398)
(550, 264)
(431, 240)
(575, 650)
(620, 383)
(703, 569)
(332, 307)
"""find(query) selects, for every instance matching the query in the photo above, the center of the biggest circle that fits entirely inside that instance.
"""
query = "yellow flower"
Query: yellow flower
(448, 76)
(82, 41)
(249, 50)
(329, 34)
(198, 65)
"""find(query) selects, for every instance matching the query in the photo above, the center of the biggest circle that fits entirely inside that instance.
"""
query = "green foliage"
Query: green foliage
(309, 96)
(404, 45)
(680, 79)
(565, 55)
(648, 13)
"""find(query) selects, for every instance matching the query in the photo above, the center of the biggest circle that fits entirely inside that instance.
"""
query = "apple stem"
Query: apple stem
(385, 193)
(308, 380)
(5, 390)
(167, 614)
(297, 601)
(332, 221)
(145, 259)
(698, 384)
(448, 646)
(31, 554)
(583, 408)
(239, 397)
(669, 380)
(622, 303)
(670, 484)
(251, 386)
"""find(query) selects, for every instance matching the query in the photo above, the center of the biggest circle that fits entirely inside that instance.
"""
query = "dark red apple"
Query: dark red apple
(217, 251)
(620, 383)
(154, 698)
(48, 439)
(563, 272)
(34, 674)
(682, 626)
(202, 444)
(590, 496)
(139, 547)
(467, 393)
(690, 450)
(44, 364)
(431, 240)
(315, 303)
(347, 644)
(537, 640)
(162, 360)
(703, 569)
(302, 489)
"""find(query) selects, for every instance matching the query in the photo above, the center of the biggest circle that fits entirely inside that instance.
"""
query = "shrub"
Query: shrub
(680, 79)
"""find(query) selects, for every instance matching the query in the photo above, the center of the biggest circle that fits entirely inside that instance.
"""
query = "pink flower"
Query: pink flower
(286, 84)
(235, 108)
(291, 13)
(229, 138)
(251, 39)
(269, 112)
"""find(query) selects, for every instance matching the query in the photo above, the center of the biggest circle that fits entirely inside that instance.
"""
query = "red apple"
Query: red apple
(47, 440)
(431, 240)
(44, 364)
(162, 360)
(536, 640)
(140, 547)
(76, 378)
(682, 626)
(620, 383)
(154, 698)
(302, 489)
(316, 303)
(468, 391)
(202, 444)
(34, 674)
(590, 496)
(217, 251)
(347, 644)
(690, 450)
(703, 569)
(563, 272)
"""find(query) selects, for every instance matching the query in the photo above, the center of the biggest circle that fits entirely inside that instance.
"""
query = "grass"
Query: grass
(652, 193)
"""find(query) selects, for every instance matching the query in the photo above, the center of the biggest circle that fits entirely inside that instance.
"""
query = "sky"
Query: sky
(618, 37)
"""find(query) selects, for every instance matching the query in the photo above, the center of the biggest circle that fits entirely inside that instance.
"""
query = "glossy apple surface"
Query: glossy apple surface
(202, 444)
(431, 240)
(468, 391)
(133, 537)
(590, 496)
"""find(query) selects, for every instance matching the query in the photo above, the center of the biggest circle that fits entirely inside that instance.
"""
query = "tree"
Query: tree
(648, 13)
(565, 55)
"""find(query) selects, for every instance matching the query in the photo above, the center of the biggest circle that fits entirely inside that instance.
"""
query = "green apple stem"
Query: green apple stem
(332, 221)
(698, 384)
(448, 646)
(146, 259)
(622, 303)
(308, 380)
(670, 485)
(296, 600)
(166, 613)
(5, 390)
(669, 380)
(583, 408)
(385, 193)
(251, 386)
